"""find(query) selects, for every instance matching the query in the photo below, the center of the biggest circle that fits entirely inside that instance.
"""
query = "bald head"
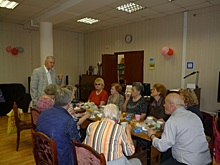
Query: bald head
(172, 102)
(176, 99)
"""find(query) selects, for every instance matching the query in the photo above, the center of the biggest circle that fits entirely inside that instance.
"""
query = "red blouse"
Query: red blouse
(103, 96)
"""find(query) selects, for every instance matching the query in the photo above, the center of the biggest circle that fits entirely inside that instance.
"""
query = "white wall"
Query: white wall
(68, 51)
(203, 48)
(75, 52)
(151, 35)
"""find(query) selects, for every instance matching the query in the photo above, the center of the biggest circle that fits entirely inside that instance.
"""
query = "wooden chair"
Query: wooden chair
(20, 125)
(84, 154)
(34, 117)
(44, 149)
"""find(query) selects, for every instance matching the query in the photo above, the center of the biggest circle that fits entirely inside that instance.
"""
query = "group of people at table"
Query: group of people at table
(183, 140)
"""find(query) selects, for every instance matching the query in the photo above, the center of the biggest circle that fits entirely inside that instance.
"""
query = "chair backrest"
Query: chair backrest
(207, 123)
(34, 116)
(15, 109)
(44, 149)
(84, 154)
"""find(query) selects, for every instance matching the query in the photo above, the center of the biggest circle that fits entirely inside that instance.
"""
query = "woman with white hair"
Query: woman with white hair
(111, 139)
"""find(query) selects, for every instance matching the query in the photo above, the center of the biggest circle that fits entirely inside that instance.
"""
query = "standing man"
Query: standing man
(184, 133)
(42, 77)
(58, 124)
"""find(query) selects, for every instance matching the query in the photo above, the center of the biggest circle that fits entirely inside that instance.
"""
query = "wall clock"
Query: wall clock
(128, 38)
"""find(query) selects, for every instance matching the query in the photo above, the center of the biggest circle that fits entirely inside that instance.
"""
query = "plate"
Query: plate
(96, 112)
(99, 115)
(77, 108)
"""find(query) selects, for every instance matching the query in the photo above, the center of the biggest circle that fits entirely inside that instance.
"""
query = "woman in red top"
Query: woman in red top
(99, 96)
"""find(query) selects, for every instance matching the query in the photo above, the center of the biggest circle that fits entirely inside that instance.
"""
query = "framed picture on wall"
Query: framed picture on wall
(190, 65)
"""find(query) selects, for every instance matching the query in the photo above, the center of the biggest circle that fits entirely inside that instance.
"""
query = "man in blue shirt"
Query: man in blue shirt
(59, 125)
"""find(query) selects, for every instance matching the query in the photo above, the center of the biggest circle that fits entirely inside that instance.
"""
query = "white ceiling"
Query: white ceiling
(65, 13)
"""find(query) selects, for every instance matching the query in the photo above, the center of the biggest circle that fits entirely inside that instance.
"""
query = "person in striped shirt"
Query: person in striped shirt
(110, 138)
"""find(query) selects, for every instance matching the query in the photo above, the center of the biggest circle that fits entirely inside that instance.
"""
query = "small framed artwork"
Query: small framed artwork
(128, 89)
(190, 65)
(152, 64)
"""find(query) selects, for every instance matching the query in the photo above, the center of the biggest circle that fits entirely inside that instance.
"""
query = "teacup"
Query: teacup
(102, 107)
(159, 125)
(137, 117)
(150, 120)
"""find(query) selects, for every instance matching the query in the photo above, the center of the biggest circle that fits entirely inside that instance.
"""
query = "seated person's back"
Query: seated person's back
(110, 138)
(58, 124)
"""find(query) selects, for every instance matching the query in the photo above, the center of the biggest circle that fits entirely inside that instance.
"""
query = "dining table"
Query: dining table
(141, 135)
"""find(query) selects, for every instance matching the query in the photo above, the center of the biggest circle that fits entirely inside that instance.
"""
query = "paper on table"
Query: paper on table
(92, 116)
(99, 115)
(96, 112)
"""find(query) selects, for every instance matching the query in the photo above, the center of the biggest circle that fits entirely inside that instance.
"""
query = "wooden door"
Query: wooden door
(133, 66)
(109, 70)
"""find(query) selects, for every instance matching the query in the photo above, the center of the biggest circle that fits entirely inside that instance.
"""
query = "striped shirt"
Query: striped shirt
(109, 138)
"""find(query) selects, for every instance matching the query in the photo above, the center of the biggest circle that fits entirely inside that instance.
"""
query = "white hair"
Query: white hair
(111, 111)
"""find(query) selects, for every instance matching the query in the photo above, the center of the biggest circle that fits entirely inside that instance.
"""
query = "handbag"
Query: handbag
(11, 128)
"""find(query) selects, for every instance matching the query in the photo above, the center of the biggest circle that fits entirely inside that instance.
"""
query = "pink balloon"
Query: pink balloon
(165, 50)
(8, 48)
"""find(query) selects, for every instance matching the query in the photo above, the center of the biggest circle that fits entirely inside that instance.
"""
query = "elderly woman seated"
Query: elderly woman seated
(156, 108)
(116, 97)
(99, 96)
(47, 101)
(135, 103)
(111, 139)
(191, 101)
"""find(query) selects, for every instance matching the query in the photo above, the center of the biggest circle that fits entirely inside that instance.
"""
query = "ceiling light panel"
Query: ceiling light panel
(8, 4)
(130, 7)
(88, 20)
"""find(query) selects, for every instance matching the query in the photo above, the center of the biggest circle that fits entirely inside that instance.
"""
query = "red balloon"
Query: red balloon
(170, 52)
(14, 51)
(8, 48)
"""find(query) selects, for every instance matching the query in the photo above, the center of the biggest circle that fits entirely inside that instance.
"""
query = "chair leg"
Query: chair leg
(18, 140)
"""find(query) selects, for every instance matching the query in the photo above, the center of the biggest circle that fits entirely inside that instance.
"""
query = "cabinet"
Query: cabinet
(127, 73)
(121, 76)
(120, 71)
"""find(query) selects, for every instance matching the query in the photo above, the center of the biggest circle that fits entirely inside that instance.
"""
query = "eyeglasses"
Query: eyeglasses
(97, 84)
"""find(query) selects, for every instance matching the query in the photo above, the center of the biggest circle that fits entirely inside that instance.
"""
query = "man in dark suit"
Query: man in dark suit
(42, 77)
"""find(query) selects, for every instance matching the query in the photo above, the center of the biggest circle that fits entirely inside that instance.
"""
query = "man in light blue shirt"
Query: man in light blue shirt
(183, 132)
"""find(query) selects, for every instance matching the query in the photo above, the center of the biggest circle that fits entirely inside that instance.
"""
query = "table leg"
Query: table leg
(149, 143)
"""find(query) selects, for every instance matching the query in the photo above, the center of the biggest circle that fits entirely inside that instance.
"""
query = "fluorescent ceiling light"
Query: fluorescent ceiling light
(8, 4)
(130, 7)
(88, 20)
